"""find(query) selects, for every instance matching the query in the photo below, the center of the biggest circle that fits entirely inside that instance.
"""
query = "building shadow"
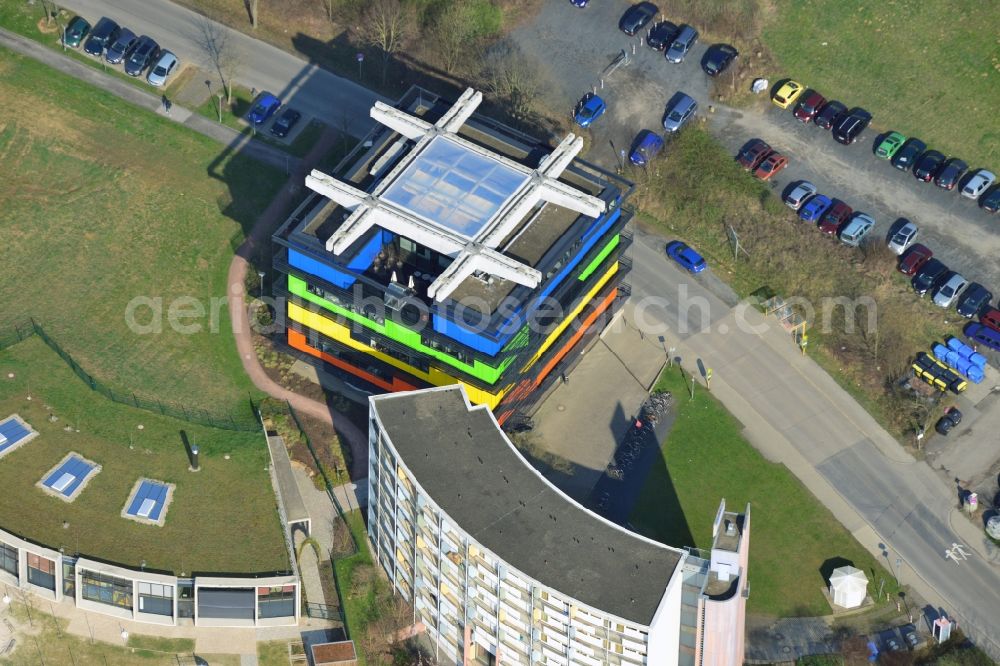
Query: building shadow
(827, 568)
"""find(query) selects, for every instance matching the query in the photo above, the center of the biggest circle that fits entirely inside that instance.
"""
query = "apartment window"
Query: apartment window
(8, 559)
(41, 572)
(276, 601)
(407, 245)
(156, 599)
(108, 590)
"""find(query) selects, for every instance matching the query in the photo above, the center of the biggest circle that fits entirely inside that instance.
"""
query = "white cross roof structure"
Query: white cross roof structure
(455, 197)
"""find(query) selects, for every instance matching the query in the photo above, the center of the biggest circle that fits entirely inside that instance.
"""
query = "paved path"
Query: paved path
(227, 136)
(314, 91)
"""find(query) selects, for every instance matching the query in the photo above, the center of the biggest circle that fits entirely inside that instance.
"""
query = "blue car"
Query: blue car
(263, 108)
(646, 146)
(588, 109)
(689, 260)
(815, 208)
(579, 3)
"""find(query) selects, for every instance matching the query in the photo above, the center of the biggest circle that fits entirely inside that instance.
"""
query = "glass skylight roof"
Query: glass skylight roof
(455, 187)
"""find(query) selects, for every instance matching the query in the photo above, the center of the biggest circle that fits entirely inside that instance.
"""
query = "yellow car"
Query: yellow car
(787, 94)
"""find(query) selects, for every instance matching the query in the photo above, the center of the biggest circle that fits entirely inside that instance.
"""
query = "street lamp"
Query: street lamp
(261, 274)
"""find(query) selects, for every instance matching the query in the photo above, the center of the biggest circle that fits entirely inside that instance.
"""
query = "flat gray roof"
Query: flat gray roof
(465, 463)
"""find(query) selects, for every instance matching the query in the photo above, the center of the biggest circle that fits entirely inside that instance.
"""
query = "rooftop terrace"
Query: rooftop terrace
(493, 494)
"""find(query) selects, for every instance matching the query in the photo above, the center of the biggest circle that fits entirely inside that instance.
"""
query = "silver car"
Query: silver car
(682, 43)
(857, 229)
(164, 67)
(978, 184)
(903, 238)
(946, 294)
(680, 108)
(797, 197)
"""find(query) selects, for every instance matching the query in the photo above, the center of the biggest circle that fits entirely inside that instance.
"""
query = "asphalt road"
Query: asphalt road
(315, 92)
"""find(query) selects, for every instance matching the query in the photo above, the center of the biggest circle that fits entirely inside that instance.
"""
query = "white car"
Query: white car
(797, 197)
(980, 181)
(164, 67)
(903, 238)
(946, 294)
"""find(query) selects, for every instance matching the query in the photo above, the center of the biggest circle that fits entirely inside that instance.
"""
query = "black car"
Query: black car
(143, 54)
(849, 127)
(973, 300)
(661, 35)
(285, 122)
(952, 417)
(121, 47)
(990, 202)
(103, 35)
(929, 276)
(928, 165)
(717, 58)
(951, 173)
(908, 154)
(830, 114)
(636, 17)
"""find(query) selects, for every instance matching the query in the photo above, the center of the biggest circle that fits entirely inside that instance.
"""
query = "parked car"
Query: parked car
(588, 109)
(717, 58)
(978, 183)
(830, 114)
(753, 154)
(787, 94)
(798, 195)
(285, 122)
(914, 259)
(661, 35)
(856, 230)
(911, 639)
(949, 175)
(809, 105)
(579, 3)
(145, 52)
(890, 145)
(991, 318)
(121, 47)
(646, 146)
(835, 216)
(949, 289)
(264, 107)
(849, 127)
(928, 165)
(814, 208)
(771, 165)
(975, 299)
(983, 335)
(951, 418)
(165, 65)
(636, 17)
(680, 108)
(684, 255)
(991, 200)
(682, 43)
(892, 644)
(908, 154)
(103, 34)
(904, 237)
(929, 276)
(74, 33)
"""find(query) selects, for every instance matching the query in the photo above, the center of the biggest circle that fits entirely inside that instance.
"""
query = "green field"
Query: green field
(106, 203)
(791, 534)
(222, 518)
(927, 69)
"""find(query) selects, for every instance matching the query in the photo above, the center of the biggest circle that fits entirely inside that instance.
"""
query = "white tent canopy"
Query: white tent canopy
(848, 587)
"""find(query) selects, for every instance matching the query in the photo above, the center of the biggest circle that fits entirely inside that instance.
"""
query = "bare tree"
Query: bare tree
(451, 36)
(512, 77)
(222, 52)
(51, 9)
(386, 25)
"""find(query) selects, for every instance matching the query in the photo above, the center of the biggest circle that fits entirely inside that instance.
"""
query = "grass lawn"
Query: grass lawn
(233, 497)
(927, 69)
(93, 221)
(791, 533)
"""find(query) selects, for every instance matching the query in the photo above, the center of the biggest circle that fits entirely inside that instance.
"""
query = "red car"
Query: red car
(771, 165)
(914, 259)
(835, 216)
(809, 106)
(755, 153)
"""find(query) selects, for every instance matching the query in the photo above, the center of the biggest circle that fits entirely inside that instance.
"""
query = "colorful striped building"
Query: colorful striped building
(450, 249)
